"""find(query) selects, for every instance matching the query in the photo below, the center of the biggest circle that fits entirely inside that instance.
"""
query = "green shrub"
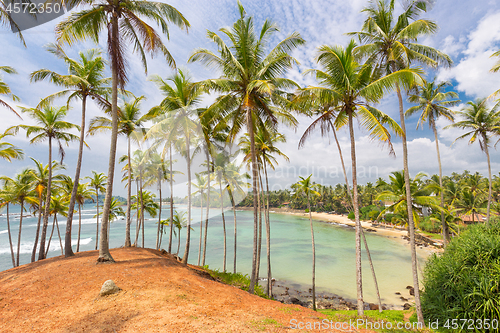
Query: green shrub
(237, 280)
(429, 225)
(464, 282)
(307, 210)
(351, 216)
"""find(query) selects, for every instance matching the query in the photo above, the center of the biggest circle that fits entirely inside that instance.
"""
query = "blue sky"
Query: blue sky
(469, 32)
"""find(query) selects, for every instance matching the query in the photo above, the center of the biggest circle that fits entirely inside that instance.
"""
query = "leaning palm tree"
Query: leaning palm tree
(85, 79)
(123, 23)
(481, 124)
(251, 88)
(130, 124)
(50, 126)
(4, 88)
(434, 103)
(178, 111)
(308, 188)
(391, 44)
(8, 151)
(97, 181)
(351, 87)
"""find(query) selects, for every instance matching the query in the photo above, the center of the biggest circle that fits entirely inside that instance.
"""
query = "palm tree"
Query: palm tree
(251, 88)
(433, 103)
(421, 196)
(123, 24)
(82, 194)
(40, 178)
(201, 185)
(58, 205)
(97, 182)
(6, 19)
(21, 191)
(469, 203)
(6, 199)
(351, 87)
(85, 79)
(306, 187)
(50, 126)
(392, 45)
(179, 221)
(177, 110)
(145, 204)
(130, 124)
(265, 146)
(156, 173)
(8, 151)
(481, 123)
(220, 162)
(4, 88)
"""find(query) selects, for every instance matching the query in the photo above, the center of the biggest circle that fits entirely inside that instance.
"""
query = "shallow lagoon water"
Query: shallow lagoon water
(291, 254)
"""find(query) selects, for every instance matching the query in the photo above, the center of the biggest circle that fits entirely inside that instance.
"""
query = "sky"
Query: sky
(469, 31)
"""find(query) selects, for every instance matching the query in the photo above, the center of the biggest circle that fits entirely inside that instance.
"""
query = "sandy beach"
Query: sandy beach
(380, 229)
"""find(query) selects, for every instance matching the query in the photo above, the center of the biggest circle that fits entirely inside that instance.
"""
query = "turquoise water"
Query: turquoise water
(291, 255)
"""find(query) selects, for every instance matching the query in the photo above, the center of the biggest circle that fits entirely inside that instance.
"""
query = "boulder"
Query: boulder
(406, 306)
(108, 288)
(373, 306)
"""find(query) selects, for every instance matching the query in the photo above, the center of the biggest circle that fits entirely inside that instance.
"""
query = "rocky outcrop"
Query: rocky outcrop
(109, 288)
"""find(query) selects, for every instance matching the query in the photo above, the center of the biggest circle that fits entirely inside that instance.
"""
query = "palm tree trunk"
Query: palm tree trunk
(269, 288)
(129, 196)
(41, 252)
(159, 215)
(171, 203)
(137, 212)
(208, 207)
(37, 234)
(97, 225)
(359, 279)
(51, 234)
(104, 254)
(259, 241)
(69, 221)
(59, 234)
(489, 182)
(314, 256)
(178, 242)
(143, 213)
(411, 224)
(362, 232)
(10, 238)
(446, 232)
(19, 235)
(201, 227)
(188, 232)
(223, 225)
(79, 227)
(235, 228)
(255, 197)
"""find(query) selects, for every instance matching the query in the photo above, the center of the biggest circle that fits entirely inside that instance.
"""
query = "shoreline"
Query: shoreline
(395, 233)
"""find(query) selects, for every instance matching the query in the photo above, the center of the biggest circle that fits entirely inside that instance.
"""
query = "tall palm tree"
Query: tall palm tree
(97, 181)
(392, 44)
(8, 151)
(130, 124)
(178, 111)
(481, 124)
(50, 126)
(308, 188)
(85, 79)
(351, 87)
(221, 160)
(251, 87)
(434, 103)
(4, 88)
(123, 23)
